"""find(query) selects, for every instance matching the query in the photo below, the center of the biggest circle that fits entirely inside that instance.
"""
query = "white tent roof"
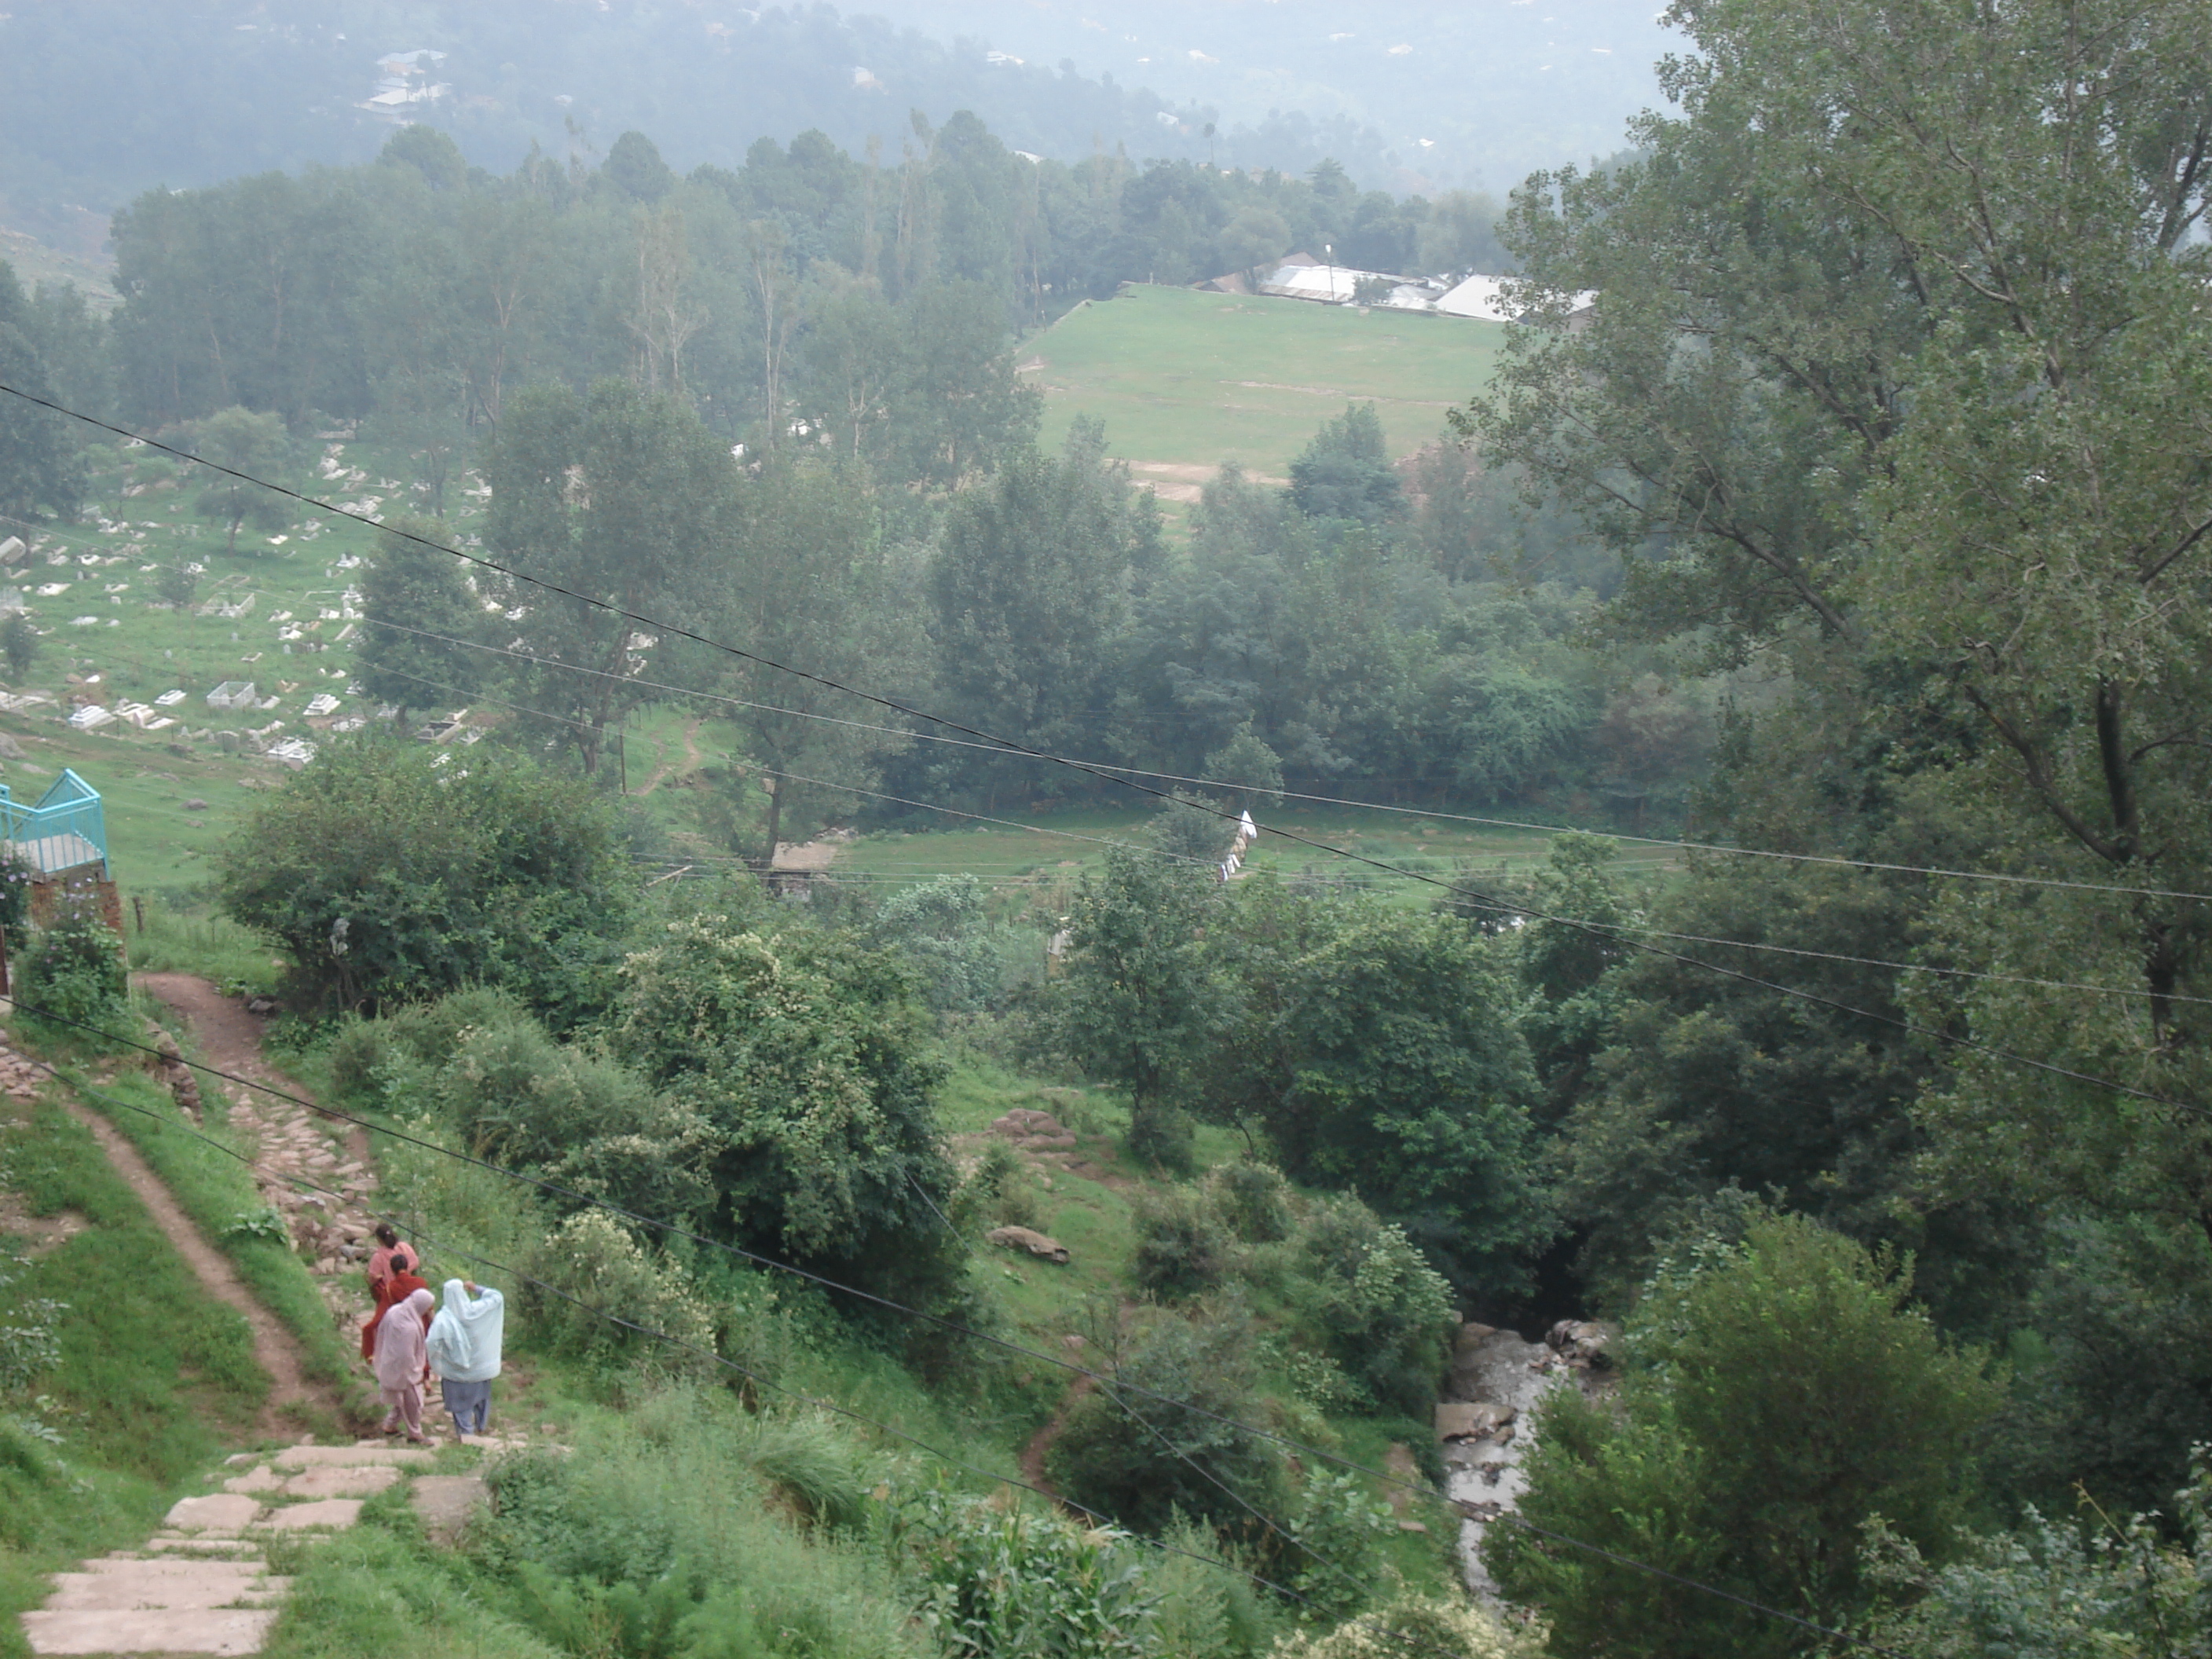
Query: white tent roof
(1484, 298)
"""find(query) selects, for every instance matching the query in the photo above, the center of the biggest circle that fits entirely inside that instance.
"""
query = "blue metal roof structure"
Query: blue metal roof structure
(67, 830)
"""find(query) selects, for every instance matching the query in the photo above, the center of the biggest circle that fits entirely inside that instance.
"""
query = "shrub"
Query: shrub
(1336, 1534)
(1387, 1316)
(1181, 1250)
(390, 880)
(589, 1267)
(1008, 1583)
(1183, 1449)
(74, 971)
(1436, 1627)
(1253, 1200)
(807, 1057)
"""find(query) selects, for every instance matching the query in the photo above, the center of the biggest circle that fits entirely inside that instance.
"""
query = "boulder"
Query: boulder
(1023, 1238)
(1582, 1343)
(1471, 1420)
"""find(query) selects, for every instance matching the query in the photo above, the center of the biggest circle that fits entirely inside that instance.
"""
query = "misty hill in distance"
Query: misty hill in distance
(108, 98)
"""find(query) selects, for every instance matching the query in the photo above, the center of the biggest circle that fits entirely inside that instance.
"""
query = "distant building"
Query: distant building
(1302, 276)
(1485, 299)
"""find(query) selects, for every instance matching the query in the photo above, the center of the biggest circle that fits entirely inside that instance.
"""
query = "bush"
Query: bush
(1336, 1535)
(392, 881)
(1387, 1316)
(589, 1267)
(1188, 1453)
(74, 971)
(1438, 1628)
(1008, 1583)
(1182, 1251)
(1252, 1199)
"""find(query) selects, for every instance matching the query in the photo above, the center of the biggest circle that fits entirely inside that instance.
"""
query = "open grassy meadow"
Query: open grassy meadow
(1187, 381)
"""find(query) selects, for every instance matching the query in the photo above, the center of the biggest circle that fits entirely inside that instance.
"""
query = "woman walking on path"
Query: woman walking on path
(379, 1260)
(399, 1282)
(464, 1348)
(402, 1335)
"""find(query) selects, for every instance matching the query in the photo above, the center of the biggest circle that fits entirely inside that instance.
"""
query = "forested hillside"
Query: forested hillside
(694, 570)
(110, 99)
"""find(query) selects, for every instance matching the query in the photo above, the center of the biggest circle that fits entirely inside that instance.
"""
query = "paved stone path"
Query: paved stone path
(202, 1583)
(289, 1143)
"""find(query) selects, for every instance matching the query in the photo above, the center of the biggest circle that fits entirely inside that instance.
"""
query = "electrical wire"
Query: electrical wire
(1691, 938)
(1435, 813)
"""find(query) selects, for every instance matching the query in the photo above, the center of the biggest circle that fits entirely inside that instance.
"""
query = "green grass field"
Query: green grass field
(1190, 379)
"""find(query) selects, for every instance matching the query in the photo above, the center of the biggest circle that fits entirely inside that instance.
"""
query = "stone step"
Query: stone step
(197, 1544)
(357, 1456)
(223, 1511)
(218, 1631)
(339, 1513)
(120, 1592)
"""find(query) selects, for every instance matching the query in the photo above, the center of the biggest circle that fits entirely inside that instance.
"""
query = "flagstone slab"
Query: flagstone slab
(264, 1479)
(224, 1509)
(227, 1631)
(447, 1502)
(332, 1481)
(351, 1457)
(335, 1512)
(209, 1587)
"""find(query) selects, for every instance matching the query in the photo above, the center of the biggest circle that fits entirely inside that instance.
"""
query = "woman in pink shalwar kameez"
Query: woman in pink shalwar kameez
(402, 1363)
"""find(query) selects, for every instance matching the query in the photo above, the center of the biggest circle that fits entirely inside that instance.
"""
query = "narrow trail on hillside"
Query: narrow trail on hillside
(1040, 1443)
(274, 1349)
(684, 769)
(230, 1040)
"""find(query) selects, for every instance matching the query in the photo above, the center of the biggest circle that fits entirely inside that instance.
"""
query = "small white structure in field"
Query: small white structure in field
(233, 694)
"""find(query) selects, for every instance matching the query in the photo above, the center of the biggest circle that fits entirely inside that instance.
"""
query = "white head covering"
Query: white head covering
(465, 1338)
(399, 1336)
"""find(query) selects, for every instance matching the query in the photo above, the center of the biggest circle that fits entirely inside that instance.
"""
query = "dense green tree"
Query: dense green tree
(419, 621)
(248, 443)
(811, 585)
(1778, 1396)
(390, 878)
(620, 498)
(1381, 1052)
(807, 1055)
(40, 466)
(1031, 585)
(1346, 471)
(1142, 996)
(18, 644)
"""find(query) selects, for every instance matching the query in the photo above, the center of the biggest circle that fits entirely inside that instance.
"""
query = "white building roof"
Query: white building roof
(1485, 299)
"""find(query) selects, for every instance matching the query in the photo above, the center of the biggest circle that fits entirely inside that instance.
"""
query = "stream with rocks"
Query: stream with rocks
(1483, 1420)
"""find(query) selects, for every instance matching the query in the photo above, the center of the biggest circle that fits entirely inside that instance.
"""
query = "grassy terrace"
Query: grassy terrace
(1188, 379)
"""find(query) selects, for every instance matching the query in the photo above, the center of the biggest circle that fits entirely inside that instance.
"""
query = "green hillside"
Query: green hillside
(1190, 379)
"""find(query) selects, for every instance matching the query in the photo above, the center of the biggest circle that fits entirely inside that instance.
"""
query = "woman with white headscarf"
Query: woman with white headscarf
(463, 1350)
(401, 1336)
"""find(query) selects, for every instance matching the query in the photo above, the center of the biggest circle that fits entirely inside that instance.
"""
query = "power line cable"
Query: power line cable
(1692, 938)
(1008, 745)
(1101, 770)
(1436, 813)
